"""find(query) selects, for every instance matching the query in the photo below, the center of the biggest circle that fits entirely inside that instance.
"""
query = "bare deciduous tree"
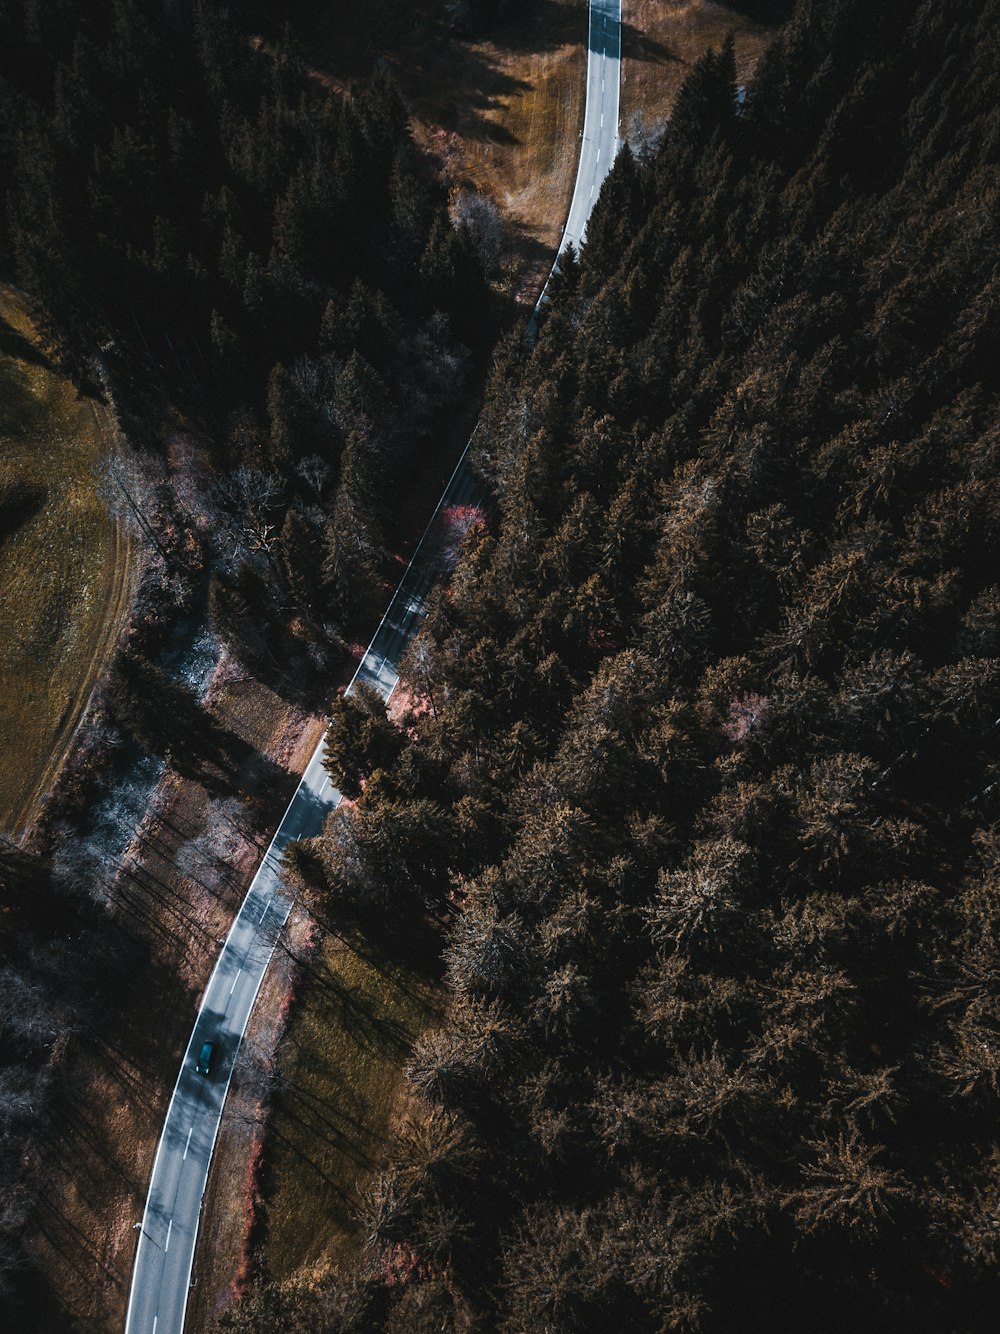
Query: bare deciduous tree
(129, 483)
(480, 216)
(249, 498)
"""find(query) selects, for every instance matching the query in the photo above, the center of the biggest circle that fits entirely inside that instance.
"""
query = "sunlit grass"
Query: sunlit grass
(662, 39)
(64, 584)
(354, 1022)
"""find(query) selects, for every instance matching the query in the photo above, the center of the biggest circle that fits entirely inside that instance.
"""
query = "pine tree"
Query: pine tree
(300, 556)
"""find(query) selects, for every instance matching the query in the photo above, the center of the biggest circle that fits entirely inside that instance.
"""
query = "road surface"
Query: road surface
(599, 143)
(164, 1259)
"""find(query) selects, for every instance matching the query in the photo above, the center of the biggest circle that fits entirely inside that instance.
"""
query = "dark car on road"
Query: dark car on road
(205, 1058)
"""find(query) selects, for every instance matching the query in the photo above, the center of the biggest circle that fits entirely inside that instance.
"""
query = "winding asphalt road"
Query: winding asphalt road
(161, 1276)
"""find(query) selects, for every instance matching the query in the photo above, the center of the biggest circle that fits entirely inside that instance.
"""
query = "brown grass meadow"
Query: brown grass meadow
(66, 570)
(356, 1020)
(662, 39)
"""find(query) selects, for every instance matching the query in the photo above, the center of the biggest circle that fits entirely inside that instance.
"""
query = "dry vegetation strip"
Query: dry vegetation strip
(357, 1019)
(226, 1254)
(662, 39)
(66, 570)
(509, 125)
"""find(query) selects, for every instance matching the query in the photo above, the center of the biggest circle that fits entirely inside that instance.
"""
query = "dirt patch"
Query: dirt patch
(67, 572)
(662, 39)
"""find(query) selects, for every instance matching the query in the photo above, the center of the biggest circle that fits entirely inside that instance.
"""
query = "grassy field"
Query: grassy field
(285, 1185)
(354, 1023)
(65, 569)
(662, 39)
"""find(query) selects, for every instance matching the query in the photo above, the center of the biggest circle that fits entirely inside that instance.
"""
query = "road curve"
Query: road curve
(161, 1276)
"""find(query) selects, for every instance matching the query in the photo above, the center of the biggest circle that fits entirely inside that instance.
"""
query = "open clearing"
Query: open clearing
(356, 1020)
(65, 569)
(298, 1146)
(662, 39)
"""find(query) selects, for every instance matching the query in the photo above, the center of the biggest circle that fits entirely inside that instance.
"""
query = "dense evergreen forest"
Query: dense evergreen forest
(203, 223)
(702, 765)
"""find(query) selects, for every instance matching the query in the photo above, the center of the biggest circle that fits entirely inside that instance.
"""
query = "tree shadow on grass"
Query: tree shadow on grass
(14, 344)
(638, 45)
(30, 1305)
(769, 12)
(325, 1121)
(466, 84)
(453, 78)
(306, 1160)
(19, 504)
(19, 411)
(355, 1012)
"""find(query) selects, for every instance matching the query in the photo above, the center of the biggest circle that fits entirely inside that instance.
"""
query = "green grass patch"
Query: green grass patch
(65, 580)
(355, 1020)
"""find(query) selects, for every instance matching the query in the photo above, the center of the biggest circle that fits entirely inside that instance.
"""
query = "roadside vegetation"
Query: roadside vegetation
(358, 1013)
(663, 39)
(699, 784)
(496, 89)
(67, 570)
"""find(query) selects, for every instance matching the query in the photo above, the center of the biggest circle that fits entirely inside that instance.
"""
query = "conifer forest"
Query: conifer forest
(691, 804)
